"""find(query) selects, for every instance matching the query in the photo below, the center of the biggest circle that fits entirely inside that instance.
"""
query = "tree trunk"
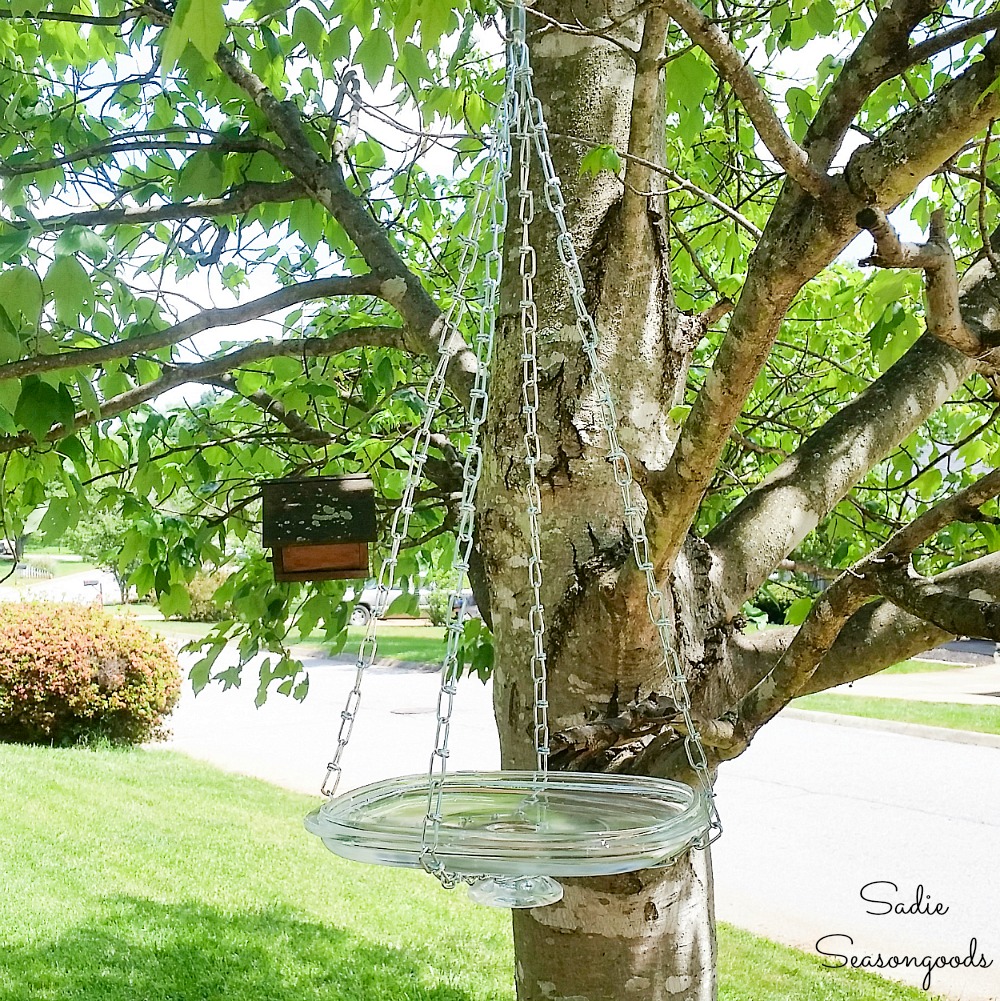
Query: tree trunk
(644, 935)
(649, 935)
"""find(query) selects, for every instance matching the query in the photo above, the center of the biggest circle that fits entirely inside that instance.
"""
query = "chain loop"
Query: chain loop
(521, 117)
(529, 407)
(484, 341)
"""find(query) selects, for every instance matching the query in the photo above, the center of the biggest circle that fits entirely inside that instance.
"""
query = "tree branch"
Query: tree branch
(268, 404)
(800, 239)
(777, 515)
(884, 171)
(882, 634)
(935, 258)
(879, 635)
(370, 284)
(129, 14)
(732, 67)
(881, 54)
(680, 181)
(324, 180)
(179, 375)
(885, 571)
(963, 32)
(112, 146)
(962, 615)
(236, 202)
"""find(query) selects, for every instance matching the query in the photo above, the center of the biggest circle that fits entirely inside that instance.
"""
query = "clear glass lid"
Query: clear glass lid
(517, 824)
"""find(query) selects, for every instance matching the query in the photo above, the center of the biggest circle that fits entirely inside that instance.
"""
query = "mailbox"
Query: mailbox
(319, 527)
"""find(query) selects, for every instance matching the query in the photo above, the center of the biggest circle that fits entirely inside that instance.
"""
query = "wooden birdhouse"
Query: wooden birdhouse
(319, 527)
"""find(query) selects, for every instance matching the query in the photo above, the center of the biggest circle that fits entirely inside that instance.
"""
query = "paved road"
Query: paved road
(73, 587)
(813, 811)
(289, 743)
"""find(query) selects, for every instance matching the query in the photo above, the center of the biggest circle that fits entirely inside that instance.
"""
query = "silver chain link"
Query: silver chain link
(522, 109)
(529, 408)
(621, 466)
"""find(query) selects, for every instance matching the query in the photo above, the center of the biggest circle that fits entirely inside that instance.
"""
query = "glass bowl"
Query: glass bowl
(514, 829)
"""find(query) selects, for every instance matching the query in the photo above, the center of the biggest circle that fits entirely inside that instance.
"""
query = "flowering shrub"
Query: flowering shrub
(201, 593)
(74, 672)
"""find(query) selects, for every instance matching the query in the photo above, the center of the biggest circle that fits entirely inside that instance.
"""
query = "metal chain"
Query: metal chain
(524, 110)
(634, 513)
(449, 343)
(529, 409)
(478, 405)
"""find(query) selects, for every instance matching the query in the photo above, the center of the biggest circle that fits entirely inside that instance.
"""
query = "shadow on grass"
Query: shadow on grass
(144, 950)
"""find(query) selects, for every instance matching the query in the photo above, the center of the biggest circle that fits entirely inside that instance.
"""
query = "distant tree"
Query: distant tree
(98, 539)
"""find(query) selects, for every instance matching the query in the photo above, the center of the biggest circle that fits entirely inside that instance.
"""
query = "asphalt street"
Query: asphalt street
(814, 813)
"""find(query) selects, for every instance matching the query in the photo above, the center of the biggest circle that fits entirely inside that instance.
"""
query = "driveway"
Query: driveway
(978, 685)
(75, 587)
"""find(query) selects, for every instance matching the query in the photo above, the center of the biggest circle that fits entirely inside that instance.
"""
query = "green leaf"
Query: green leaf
(69, 284)
(822, 16)
(884, 327)
(56, 518)
(10, 343)
(200, 22)
(798, 610)
(10, 391)
(174, 600)
(22, 297)
(88, 396)
(601, 158)
(308, 30)
(40, 406)
(12, 243)
(201, 175)
(436, 17)
(405, 604)
(79, 240)
(374, 54)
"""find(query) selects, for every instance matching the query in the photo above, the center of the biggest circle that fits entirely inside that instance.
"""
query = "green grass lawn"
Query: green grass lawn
(58, 568)
(953, 715)
(917, 666)
(424, 644)
(145, 876)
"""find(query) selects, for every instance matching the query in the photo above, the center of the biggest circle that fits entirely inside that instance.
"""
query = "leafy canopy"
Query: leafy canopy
(144, 185)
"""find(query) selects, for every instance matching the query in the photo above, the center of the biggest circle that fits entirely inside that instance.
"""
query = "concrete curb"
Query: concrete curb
(892, 726)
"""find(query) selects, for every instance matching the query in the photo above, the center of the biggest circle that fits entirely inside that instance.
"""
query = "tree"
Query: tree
(782, 405)
(98, 539)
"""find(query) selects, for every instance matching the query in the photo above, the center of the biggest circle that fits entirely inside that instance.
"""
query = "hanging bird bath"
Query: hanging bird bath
(511, 832)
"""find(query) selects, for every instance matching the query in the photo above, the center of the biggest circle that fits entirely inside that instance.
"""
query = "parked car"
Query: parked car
(471, 605)
(365, 604)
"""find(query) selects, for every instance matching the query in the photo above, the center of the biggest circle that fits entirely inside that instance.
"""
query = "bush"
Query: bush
(201, 593)
(439, 606)
(72, 673)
